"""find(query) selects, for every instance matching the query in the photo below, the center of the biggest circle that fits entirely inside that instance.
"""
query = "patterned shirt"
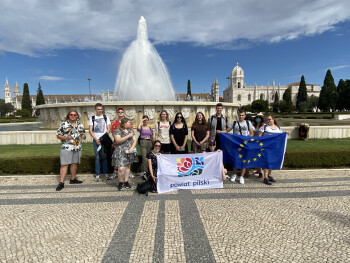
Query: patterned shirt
(66, 129)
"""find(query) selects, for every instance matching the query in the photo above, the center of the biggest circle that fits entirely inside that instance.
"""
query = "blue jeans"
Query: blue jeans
(98, 161)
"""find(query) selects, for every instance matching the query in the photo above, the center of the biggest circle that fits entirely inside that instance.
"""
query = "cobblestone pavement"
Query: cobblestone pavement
(304, 217)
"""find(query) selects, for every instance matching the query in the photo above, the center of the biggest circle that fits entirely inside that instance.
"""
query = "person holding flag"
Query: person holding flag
(240, 127)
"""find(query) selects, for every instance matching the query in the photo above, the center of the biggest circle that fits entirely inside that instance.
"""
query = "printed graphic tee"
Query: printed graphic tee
(100, 126)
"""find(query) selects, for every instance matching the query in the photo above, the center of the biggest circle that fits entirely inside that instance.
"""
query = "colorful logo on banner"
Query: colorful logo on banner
(190, 166)
(253, 158)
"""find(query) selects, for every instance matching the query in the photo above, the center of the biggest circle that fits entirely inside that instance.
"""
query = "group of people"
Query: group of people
(167, 137)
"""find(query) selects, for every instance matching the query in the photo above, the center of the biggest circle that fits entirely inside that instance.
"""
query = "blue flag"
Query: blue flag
(254, 152)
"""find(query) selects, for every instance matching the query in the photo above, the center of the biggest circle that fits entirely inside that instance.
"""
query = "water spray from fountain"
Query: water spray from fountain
(142, 74)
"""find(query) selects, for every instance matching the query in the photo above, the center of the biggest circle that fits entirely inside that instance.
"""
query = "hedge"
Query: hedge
(292, 160)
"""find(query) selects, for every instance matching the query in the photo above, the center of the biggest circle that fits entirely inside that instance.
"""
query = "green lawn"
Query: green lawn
(12, 151)
(12, 119)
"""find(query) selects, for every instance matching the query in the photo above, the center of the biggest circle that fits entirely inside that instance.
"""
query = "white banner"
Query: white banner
(189, 171)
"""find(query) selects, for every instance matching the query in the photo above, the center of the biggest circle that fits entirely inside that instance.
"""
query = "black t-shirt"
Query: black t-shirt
(219, 124)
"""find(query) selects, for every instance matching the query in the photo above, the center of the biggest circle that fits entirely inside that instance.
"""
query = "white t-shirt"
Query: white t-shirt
(244, 127)
(268, 130)
(163, 132)
(100, 126)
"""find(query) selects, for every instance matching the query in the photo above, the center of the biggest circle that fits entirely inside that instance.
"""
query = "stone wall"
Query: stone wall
(49, 137)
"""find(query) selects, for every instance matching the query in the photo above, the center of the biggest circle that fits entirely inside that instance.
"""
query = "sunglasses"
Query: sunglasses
(179, 117)
(73, 115)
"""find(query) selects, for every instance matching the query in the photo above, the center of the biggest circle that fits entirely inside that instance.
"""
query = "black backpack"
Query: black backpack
(93, 120)
(144, 188)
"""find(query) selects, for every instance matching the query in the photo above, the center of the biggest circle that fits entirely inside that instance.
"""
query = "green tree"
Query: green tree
(346, 94)
(40, 100)
(275, 104)
(328, 96)
(5, 108)
(260, 106)
(189, 93)
(26, 103)
(286, 105)
(302, 95)
(312, 102)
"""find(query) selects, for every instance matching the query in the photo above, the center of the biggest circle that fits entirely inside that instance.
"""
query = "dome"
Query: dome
(237, 71)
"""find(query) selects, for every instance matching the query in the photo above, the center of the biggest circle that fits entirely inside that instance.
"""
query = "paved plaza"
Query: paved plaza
(304, 217)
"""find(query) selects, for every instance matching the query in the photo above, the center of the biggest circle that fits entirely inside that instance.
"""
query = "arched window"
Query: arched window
(249, 97)
(239, 85)
(262, 96)
(239, 98)
(273, 97)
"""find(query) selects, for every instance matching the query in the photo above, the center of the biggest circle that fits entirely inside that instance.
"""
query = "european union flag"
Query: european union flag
(254, 152)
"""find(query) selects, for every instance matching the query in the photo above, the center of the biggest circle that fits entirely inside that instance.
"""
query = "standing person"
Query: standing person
(151, 156)
(216, 124)
(146, 138)
(270, 127)
(258, 121)
(115, 125)
(99, 124)
(211, 148)
(162, 131)
(125, 152)
(71, 133)
(199, 133)
(241, 127)
(178, 135)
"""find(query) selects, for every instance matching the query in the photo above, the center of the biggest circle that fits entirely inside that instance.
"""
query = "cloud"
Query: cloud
(50, 78)
(337, 67)
(40, 27)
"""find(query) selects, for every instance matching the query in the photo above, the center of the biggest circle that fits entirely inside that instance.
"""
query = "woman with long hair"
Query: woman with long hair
(125, 152)
(162, 131)
(145, 139)
(71, 133)
(199, 133)
(151, 156)
(178, 135)
(270, 127)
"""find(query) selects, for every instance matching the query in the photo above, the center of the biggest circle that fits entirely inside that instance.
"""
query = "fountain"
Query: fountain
(142, 74)
(143, 86)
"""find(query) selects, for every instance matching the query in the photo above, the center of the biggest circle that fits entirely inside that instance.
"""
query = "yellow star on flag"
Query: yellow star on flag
(248, 161)
(240, 155)
(259, 155)
(257, 141)
(251, 140)
(261, 144)
(254, 159)
(245, 142)
(261, 149)
(239, 149)
(241, 145)
(244, 161)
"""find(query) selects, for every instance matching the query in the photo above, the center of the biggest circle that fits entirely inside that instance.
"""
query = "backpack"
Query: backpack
(93, 121)
(234, 123)
(144, 188)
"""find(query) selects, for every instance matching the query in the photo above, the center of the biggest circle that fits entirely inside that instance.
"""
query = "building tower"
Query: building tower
(237, 77)
(215, 90)
(7, 90)
(16, 90)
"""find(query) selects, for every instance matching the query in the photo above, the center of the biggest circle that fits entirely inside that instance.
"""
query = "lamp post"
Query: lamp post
(89, 87)
(228, 82)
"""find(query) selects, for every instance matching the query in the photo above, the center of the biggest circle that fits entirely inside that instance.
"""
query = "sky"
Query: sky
(62, 43)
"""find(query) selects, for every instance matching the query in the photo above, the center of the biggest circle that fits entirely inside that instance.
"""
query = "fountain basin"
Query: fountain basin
(51, 115)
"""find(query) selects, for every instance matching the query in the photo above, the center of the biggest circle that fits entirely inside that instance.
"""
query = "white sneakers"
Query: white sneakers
(97, 178)
(241, 179)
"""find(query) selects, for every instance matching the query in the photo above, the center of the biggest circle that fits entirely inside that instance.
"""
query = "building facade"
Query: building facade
(238, 92)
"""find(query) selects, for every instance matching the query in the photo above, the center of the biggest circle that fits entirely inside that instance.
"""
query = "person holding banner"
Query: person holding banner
(125, 152)
(178, 135)
(199, 133)
(151, 173)
(270, 127)
(241, 127)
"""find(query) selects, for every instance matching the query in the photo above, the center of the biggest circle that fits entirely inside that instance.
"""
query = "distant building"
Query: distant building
(238, 92)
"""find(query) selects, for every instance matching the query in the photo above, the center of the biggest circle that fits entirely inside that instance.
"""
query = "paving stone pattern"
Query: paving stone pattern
(304, 217)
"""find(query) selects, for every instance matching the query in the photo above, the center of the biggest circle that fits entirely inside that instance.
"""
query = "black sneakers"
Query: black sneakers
(60, 187)
(75, 181)
(266, 181)
(120, 186)
(260, 175)
(127, 185)
(271, 179)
